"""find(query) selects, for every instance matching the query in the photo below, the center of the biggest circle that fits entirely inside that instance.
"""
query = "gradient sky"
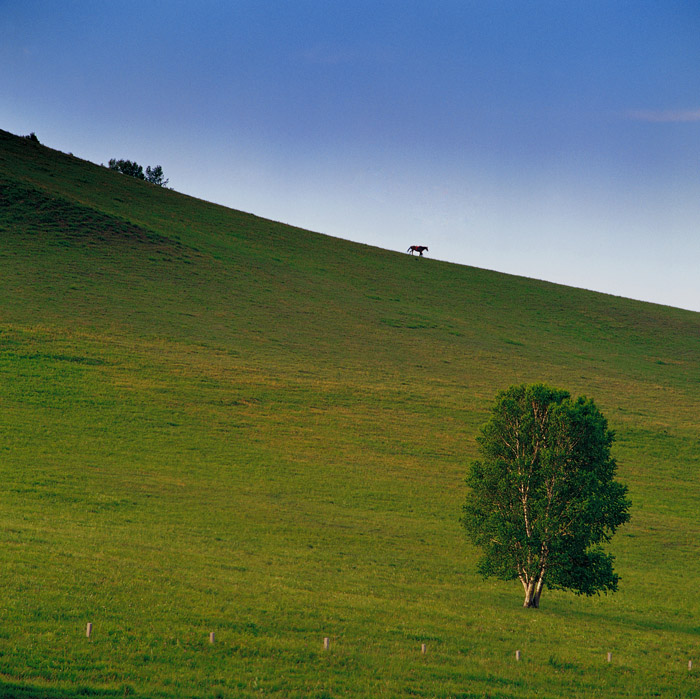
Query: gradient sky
(551, 139)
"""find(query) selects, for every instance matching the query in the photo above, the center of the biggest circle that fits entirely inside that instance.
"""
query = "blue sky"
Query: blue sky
(551, 139)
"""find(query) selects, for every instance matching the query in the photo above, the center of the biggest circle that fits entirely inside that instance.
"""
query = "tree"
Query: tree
(543, 497)
(155, 176)
(127, 167)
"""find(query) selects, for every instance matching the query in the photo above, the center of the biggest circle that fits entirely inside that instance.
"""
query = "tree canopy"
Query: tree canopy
(154, 175)
(543, 496)
(127, 167)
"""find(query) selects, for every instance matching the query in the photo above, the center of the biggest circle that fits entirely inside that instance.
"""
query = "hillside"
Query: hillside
(214, 422)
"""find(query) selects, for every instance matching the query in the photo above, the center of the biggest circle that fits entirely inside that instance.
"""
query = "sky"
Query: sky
(553, 139)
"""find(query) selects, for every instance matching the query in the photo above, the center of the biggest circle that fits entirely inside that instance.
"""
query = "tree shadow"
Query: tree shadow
(635, 621)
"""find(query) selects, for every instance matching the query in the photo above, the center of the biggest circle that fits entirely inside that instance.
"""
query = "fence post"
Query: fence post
(211, 637)
(609, 657)
(326, 643)
(517, 655)
(422, 648)
(88, 630)
(690, 665)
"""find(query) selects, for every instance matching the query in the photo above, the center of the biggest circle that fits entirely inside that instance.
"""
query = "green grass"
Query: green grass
(213, 422)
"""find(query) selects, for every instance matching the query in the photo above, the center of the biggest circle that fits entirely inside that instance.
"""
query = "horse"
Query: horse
(417, 248)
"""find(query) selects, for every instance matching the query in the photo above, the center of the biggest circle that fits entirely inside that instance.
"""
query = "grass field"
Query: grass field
(214, 422)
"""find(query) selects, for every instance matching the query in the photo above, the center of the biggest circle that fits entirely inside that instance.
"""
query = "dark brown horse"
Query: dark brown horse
(417, 248)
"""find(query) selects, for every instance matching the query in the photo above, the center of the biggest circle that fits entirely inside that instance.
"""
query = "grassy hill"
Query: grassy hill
(211, 421)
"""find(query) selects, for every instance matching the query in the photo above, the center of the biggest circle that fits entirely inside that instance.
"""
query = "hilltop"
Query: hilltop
(216, 422)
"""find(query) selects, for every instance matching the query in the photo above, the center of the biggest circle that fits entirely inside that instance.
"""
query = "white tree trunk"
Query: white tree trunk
(533, 590)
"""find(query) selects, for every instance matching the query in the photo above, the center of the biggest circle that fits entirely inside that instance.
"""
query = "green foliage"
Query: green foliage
(127, 167)
(207, 424)
(543, 497)
(155, 176)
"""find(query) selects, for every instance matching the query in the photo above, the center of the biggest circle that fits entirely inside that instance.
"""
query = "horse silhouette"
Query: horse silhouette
(417, 248)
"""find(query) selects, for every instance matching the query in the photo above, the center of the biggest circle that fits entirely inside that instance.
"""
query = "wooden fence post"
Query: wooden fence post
(609, 657)
(517, 655)
(211, 637)
(690, 665)
(326, 643)
(422, 648)
(88, 630)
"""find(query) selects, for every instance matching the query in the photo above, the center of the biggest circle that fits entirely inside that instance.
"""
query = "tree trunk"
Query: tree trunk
(530, 596)
(538, 592)
(533, 591)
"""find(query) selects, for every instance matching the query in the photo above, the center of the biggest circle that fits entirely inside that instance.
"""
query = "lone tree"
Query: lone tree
(543, 496)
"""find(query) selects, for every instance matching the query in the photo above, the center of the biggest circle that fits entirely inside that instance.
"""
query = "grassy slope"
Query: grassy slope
(211, 421)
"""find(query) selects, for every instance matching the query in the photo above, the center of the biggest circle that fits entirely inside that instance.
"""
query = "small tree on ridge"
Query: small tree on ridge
(543, 496)
(127, 167)
(154, 175)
